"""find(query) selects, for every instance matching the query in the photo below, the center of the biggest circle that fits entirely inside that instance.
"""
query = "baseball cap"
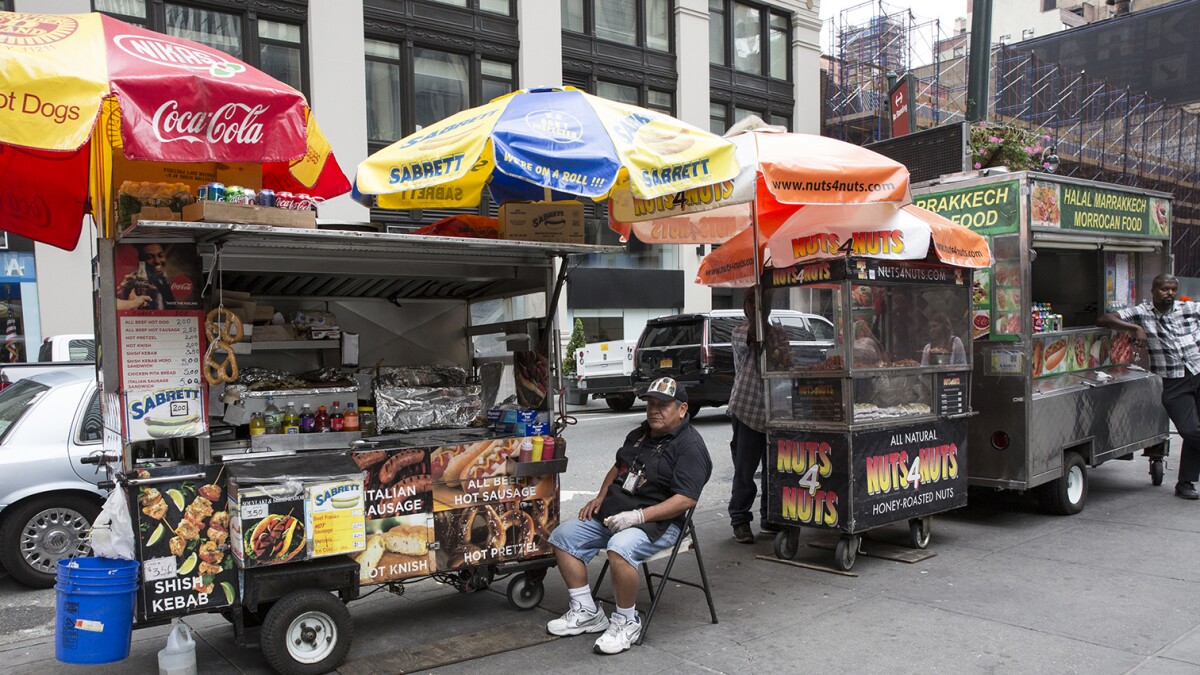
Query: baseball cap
(665, 389)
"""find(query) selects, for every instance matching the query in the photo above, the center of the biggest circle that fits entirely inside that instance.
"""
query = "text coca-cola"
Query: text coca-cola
(231, 123)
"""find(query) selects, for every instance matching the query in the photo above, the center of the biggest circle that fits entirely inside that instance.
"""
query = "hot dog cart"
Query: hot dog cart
(874, 432)
(1056, 394)
(262, 528)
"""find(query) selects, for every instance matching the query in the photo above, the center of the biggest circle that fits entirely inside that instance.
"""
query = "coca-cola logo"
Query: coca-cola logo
(231, 123)
(182, 287)
(25, 209)
(175, 55)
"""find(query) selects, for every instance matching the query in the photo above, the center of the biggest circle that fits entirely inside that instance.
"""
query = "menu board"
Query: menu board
(162, 374)
(336, 518)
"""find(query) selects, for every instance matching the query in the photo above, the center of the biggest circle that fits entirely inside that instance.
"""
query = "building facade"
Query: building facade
(375, 71)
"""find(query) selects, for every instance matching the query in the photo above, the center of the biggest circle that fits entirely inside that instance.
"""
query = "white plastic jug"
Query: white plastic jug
(179, 656)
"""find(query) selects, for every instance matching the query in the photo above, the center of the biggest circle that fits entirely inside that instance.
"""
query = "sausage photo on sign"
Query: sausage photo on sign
(532, 372)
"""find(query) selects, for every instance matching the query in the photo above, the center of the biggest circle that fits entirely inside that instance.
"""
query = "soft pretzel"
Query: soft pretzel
(215, 328)
(225, 371)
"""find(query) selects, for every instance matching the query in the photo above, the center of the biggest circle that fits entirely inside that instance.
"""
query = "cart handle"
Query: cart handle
(165, 479)
(960, 416)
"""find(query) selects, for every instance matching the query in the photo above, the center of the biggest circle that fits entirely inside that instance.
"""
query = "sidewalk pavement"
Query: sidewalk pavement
(1111, 590)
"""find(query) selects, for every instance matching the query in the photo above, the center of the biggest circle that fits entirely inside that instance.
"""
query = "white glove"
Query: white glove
(625, 519)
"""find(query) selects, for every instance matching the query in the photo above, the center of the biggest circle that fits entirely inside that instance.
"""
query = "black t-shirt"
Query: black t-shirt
(677, 463)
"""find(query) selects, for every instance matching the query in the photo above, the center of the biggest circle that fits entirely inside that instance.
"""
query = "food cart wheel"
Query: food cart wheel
(1156, 472)
(919, 530)
(307, 632)
(524, 593)
(847, 552)
(1066, 496)
(787, 543)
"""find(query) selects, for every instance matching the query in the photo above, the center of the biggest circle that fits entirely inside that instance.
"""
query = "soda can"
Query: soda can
(248, 197)
(265, 197)
(1039, 322)
(303, 202)
(284, 200)
(234, 194)
(213, 192)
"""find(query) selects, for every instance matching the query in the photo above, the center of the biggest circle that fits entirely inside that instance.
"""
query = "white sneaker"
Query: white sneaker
(578, 620)
(621, 635)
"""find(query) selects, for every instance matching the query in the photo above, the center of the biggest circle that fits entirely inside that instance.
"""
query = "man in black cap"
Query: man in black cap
(658, 475)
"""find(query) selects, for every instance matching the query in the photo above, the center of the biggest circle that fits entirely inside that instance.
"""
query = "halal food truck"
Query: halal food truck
(278, 531)
(872, 430)
(1055, 394)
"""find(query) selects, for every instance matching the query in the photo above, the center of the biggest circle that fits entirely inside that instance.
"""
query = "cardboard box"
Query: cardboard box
(222, 212)
(190, 174)
(555, 222)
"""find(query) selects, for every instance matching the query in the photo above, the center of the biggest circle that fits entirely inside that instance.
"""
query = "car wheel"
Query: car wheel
(619, 402)
(42, 531)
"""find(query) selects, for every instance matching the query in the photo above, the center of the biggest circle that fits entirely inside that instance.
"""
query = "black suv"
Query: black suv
(695, 349)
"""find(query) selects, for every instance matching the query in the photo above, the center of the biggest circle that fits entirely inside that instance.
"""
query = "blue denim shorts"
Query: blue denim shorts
(583, 539)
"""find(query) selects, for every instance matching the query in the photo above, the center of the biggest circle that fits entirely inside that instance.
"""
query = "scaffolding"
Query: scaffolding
(1100, 131)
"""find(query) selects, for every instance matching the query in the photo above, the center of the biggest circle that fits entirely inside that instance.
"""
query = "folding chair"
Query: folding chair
(687, 542)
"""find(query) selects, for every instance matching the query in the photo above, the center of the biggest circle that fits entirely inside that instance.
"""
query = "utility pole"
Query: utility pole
(978, 67)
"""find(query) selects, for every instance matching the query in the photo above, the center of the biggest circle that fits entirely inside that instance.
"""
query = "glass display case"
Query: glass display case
(868, 428)
(897, 329)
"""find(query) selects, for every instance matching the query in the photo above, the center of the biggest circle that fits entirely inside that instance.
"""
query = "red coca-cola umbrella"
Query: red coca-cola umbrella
(79, 91)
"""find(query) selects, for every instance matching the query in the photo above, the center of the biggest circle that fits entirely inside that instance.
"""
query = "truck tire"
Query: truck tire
(306, 633)
(619, 402)
(1066, 496)
(42, 531)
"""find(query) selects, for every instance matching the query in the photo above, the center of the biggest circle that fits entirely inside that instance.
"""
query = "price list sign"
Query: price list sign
(161, 374)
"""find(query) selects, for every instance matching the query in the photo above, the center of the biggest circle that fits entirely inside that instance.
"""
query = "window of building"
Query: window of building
(443, 83)
(440, 85)
(384, 121)
(1049, 5)
(747, 39)
(718, 118)
(779, 49)
(130, 11)
(716, 32)
(618, 92)
(1027, 33)
(494, 6)
(272, 43)
(755, 39)
(573, 16)
(281, 50)
(638, 23)
(662, 101)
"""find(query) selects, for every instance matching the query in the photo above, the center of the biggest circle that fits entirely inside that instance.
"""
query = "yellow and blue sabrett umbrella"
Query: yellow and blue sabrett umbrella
(526, 143)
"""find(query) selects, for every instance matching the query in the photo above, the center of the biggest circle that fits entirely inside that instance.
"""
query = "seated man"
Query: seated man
(658, 475)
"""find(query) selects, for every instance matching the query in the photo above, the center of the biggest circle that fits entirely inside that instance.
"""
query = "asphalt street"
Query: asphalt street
(1009, 590)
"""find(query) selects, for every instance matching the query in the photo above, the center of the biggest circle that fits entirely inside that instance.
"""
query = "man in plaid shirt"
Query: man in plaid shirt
(749, 416)
(1170, 330)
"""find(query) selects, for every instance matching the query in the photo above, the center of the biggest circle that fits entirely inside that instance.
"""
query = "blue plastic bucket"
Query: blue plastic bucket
(94, 610)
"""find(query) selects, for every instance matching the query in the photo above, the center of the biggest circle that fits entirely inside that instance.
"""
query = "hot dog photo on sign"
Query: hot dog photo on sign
(477, 473)
(397, 482)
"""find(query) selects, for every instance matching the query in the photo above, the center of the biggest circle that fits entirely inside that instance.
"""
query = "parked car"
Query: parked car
(78, 347)
(57, 351)
(695, 349)
(48, 500)
(603, 370)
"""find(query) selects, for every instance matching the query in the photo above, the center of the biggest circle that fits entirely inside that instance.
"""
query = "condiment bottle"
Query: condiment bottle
(526, 452)
(271, 417)
(336, 421)
(350, 419)
(257, 426)
(306, 420)
(321, 420)
(548, 448)
(366, 420)
(291, 421)
(537, 448)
